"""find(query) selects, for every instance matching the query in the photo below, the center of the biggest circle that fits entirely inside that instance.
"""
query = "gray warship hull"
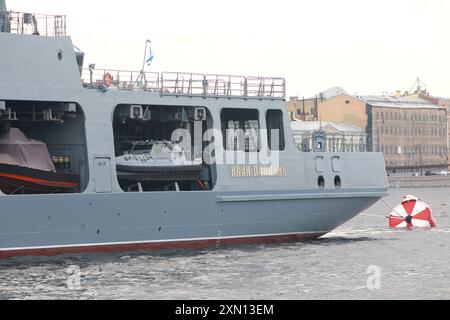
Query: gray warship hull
(240, 205)
(115, 223)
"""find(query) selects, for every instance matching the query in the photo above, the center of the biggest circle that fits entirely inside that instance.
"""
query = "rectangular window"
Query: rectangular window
(240, 129)
(275, 130)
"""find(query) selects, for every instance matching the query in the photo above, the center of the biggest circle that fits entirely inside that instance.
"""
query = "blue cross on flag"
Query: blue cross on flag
(150, 58)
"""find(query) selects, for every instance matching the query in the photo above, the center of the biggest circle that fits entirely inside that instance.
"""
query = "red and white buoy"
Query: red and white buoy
(412, 213)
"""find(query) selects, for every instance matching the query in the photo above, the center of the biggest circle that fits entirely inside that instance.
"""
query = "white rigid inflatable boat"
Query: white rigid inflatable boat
(157, 160)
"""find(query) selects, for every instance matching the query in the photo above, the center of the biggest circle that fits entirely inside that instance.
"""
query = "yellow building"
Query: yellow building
(346, 109)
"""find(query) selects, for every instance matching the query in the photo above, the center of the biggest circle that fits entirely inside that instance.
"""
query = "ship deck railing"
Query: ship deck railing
(187, 84)
(33, 24)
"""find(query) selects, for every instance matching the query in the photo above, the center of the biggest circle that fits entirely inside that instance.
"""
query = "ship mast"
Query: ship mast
(2, 6)
(4, 18)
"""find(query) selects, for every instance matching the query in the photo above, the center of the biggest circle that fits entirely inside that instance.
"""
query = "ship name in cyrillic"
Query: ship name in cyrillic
(258, 171)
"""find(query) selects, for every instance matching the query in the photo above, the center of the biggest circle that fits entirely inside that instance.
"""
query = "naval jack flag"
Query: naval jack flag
(149, 60)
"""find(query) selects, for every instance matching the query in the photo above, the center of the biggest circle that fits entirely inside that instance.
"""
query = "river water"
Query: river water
(363, 259)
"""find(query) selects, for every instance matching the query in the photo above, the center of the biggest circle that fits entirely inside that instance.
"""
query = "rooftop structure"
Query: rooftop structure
(32, 23)
(335, 127)
(399, 102)
(332, 92)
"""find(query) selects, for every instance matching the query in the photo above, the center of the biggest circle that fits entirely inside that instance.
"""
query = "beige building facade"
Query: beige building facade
(345, 109)
(411, 132)
(444, 103)
(412, 139)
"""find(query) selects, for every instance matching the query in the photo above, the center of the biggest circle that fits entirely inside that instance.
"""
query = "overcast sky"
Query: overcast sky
(366, 47)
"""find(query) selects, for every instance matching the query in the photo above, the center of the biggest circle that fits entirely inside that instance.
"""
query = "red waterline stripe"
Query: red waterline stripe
(40, 181)
(154, 246)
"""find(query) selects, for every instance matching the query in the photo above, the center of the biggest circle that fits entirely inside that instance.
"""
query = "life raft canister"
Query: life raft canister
(412, 213)
(108, 79)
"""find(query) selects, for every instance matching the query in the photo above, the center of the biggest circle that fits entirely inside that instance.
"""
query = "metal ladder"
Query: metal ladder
(59, 27)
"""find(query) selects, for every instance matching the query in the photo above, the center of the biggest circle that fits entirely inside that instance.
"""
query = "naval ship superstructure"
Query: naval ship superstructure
(205, 160)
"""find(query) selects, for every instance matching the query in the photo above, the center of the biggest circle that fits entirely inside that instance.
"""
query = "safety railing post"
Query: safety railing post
(205, 86)
(245, 87)
(190, 85)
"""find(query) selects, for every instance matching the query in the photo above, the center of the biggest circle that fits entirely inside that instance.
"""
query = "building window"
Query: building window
(275, 130)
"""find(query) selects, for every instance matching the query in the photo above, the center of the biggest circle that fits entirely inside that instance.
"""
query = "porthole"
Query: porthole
(321, 182)
(337, 182)
(60, 55)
